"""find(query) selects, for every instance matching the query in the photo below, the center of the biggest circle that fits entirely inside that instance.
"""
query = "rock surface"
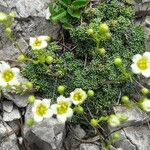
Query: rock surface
(30, 21)
(13, 115)
(8, 140)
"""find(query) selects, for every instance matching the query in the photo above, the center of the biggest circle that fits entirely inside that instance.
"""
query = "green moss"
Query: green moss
(84, 68)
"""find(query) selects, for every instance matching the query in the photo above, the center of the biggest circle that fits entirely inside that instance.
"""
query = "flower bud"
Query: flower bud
(21, 58)
(145, 104)
(125, 99)
(101, 51)
(12, 14)
(108, 35)
(8, 31)
(61, 89)
(118, 61)
(90, 31)
(79, 109)
(49, 59)
(31, 99)
(90, 93)
(29, 85)
(113, 121)
(30, 122)
(115, 136)
(103, 28)
(145, 91)
(94, 122)
(3, 17)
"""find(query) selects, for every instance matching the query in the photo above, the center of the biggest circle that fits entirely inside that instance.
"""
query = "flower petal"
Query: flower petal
(54, 108)
(146, 73)
(135, 69)
(38, 118)
(62, 118)
(147, 54)
(69, 113)
(46, 102)
(16, 71)
(136, 58)
(49, 113)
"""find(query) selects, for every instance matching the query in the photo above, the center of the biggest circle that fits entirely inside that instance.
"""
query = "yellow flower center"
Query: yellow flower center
(143, 63)
(37, 42)
(62, 108)
(8, 75)
(41, 110)
(78, 96)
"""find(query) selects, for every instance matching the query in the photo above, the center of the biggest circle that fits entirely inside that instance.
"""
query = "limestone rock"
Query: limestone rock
(89, 147)
(13, 115)
(8, 140)
(19, 100)
(8, 106)
(46, 135)
(30, 21)
(135, 116)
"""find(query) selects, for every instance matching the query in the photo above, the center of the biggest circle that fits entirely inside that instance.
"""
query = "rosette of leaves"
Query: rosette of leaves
(67, 12)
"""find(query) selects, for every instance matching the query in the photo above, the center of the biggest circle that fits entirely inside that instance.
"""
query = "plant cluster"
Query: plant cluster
(101, 69)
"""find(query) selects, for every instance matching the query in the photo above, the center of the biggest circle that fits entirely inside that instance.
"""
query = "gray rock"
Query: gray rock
(10, 52)
(47, 135)
(30, 21)
(8, 106)
(8, 140)
(135, 116)
(71, 142)
(13, 115)
(19, 100)
(88, 147)
(147, 21)
(124, 142)
(135, 138)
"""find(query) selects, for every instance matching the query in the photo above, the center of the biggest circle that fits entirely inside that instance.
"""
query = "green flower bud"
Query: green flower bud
(21, 58)
(103, 28)
(90, 31)
(29, 85)
(125, 99)
(113, 121)
(94, 122)
(108, 35)
(90, 93)
(8, 31)
(115, 136)
(79, 109)
(31, 99)
(145, 91)
(30, 122)
(122, 118)
(101, 51)
(12, 14)
(49, 59)
(3, 17)
(118, 61)
(61, 89)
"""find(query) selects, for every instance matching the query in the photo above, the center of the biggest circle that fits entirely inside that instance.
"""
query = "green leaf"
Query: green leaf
(65, 3)
(74, 13)
(58, 15)
(67, 26)
(79, 3)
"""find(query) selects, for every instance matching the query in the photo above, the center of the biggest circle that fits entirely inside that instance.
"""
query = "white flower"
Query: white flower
(8, 75)
(78, 96)
(141, 64)
(114, 121)
(62, 109)
(41, 109)
(39, 42)
(145, 104)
